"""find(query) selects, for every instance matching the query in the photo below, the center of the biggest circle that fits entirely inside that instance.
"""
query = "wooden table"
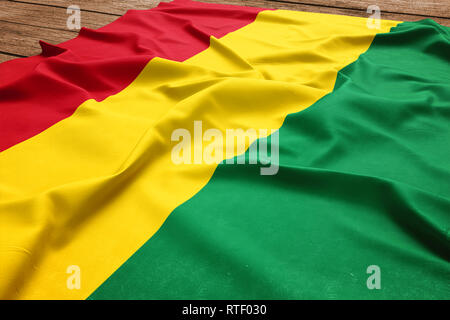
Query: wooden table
(24, 23)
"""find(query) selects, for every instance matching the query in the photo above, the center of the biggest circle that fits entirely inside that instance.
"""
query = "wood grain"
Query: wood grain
(24, 40)
(322, 9)
(115, 7)
(50, 17)
(433, 8)
(5, 57)
(24, 22)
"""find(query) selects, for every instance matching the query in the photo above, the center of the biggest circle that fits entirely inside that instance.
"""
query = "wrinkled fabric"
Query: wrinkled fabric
(87, 179)
(39, 91)
(93, 188)
(363, 180)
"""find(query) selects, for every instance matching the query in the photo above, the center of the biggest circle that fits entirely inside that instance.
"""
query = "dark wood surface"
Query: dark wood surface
(24, 23)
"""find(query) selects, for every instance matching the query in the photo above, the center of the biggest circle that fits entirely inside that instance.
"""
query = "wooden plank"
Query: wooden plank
(120, 7)
(433, 8)
(321, 9)
(24, 24)
(49, 17)
(24, 40)
(116, 7)
(6, 57)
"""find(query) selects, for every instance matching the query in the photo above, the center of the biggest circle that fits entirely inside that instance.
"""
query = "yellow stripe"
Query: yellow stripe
(90, 190)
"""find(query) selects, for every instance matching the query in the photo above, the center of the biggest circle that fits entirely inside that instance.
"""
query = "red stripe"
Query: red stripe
(39, 91)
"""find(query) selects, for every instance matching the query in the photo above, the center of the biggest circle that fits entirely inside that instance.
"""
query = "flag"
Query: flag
(93, 204)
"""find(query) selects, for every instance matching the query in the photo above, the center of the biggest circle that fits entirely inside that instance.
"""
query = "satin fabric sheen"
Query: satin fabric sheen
(39, 91)
(93, 188)
(363, 180)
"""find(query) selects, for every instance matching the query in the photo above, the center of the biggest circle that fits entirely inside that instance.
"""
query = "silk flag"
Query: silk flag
(361, 115)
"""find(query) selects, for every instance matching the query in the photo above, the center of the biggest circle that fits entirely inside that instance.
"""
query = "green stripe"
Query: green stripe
(363, 180)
